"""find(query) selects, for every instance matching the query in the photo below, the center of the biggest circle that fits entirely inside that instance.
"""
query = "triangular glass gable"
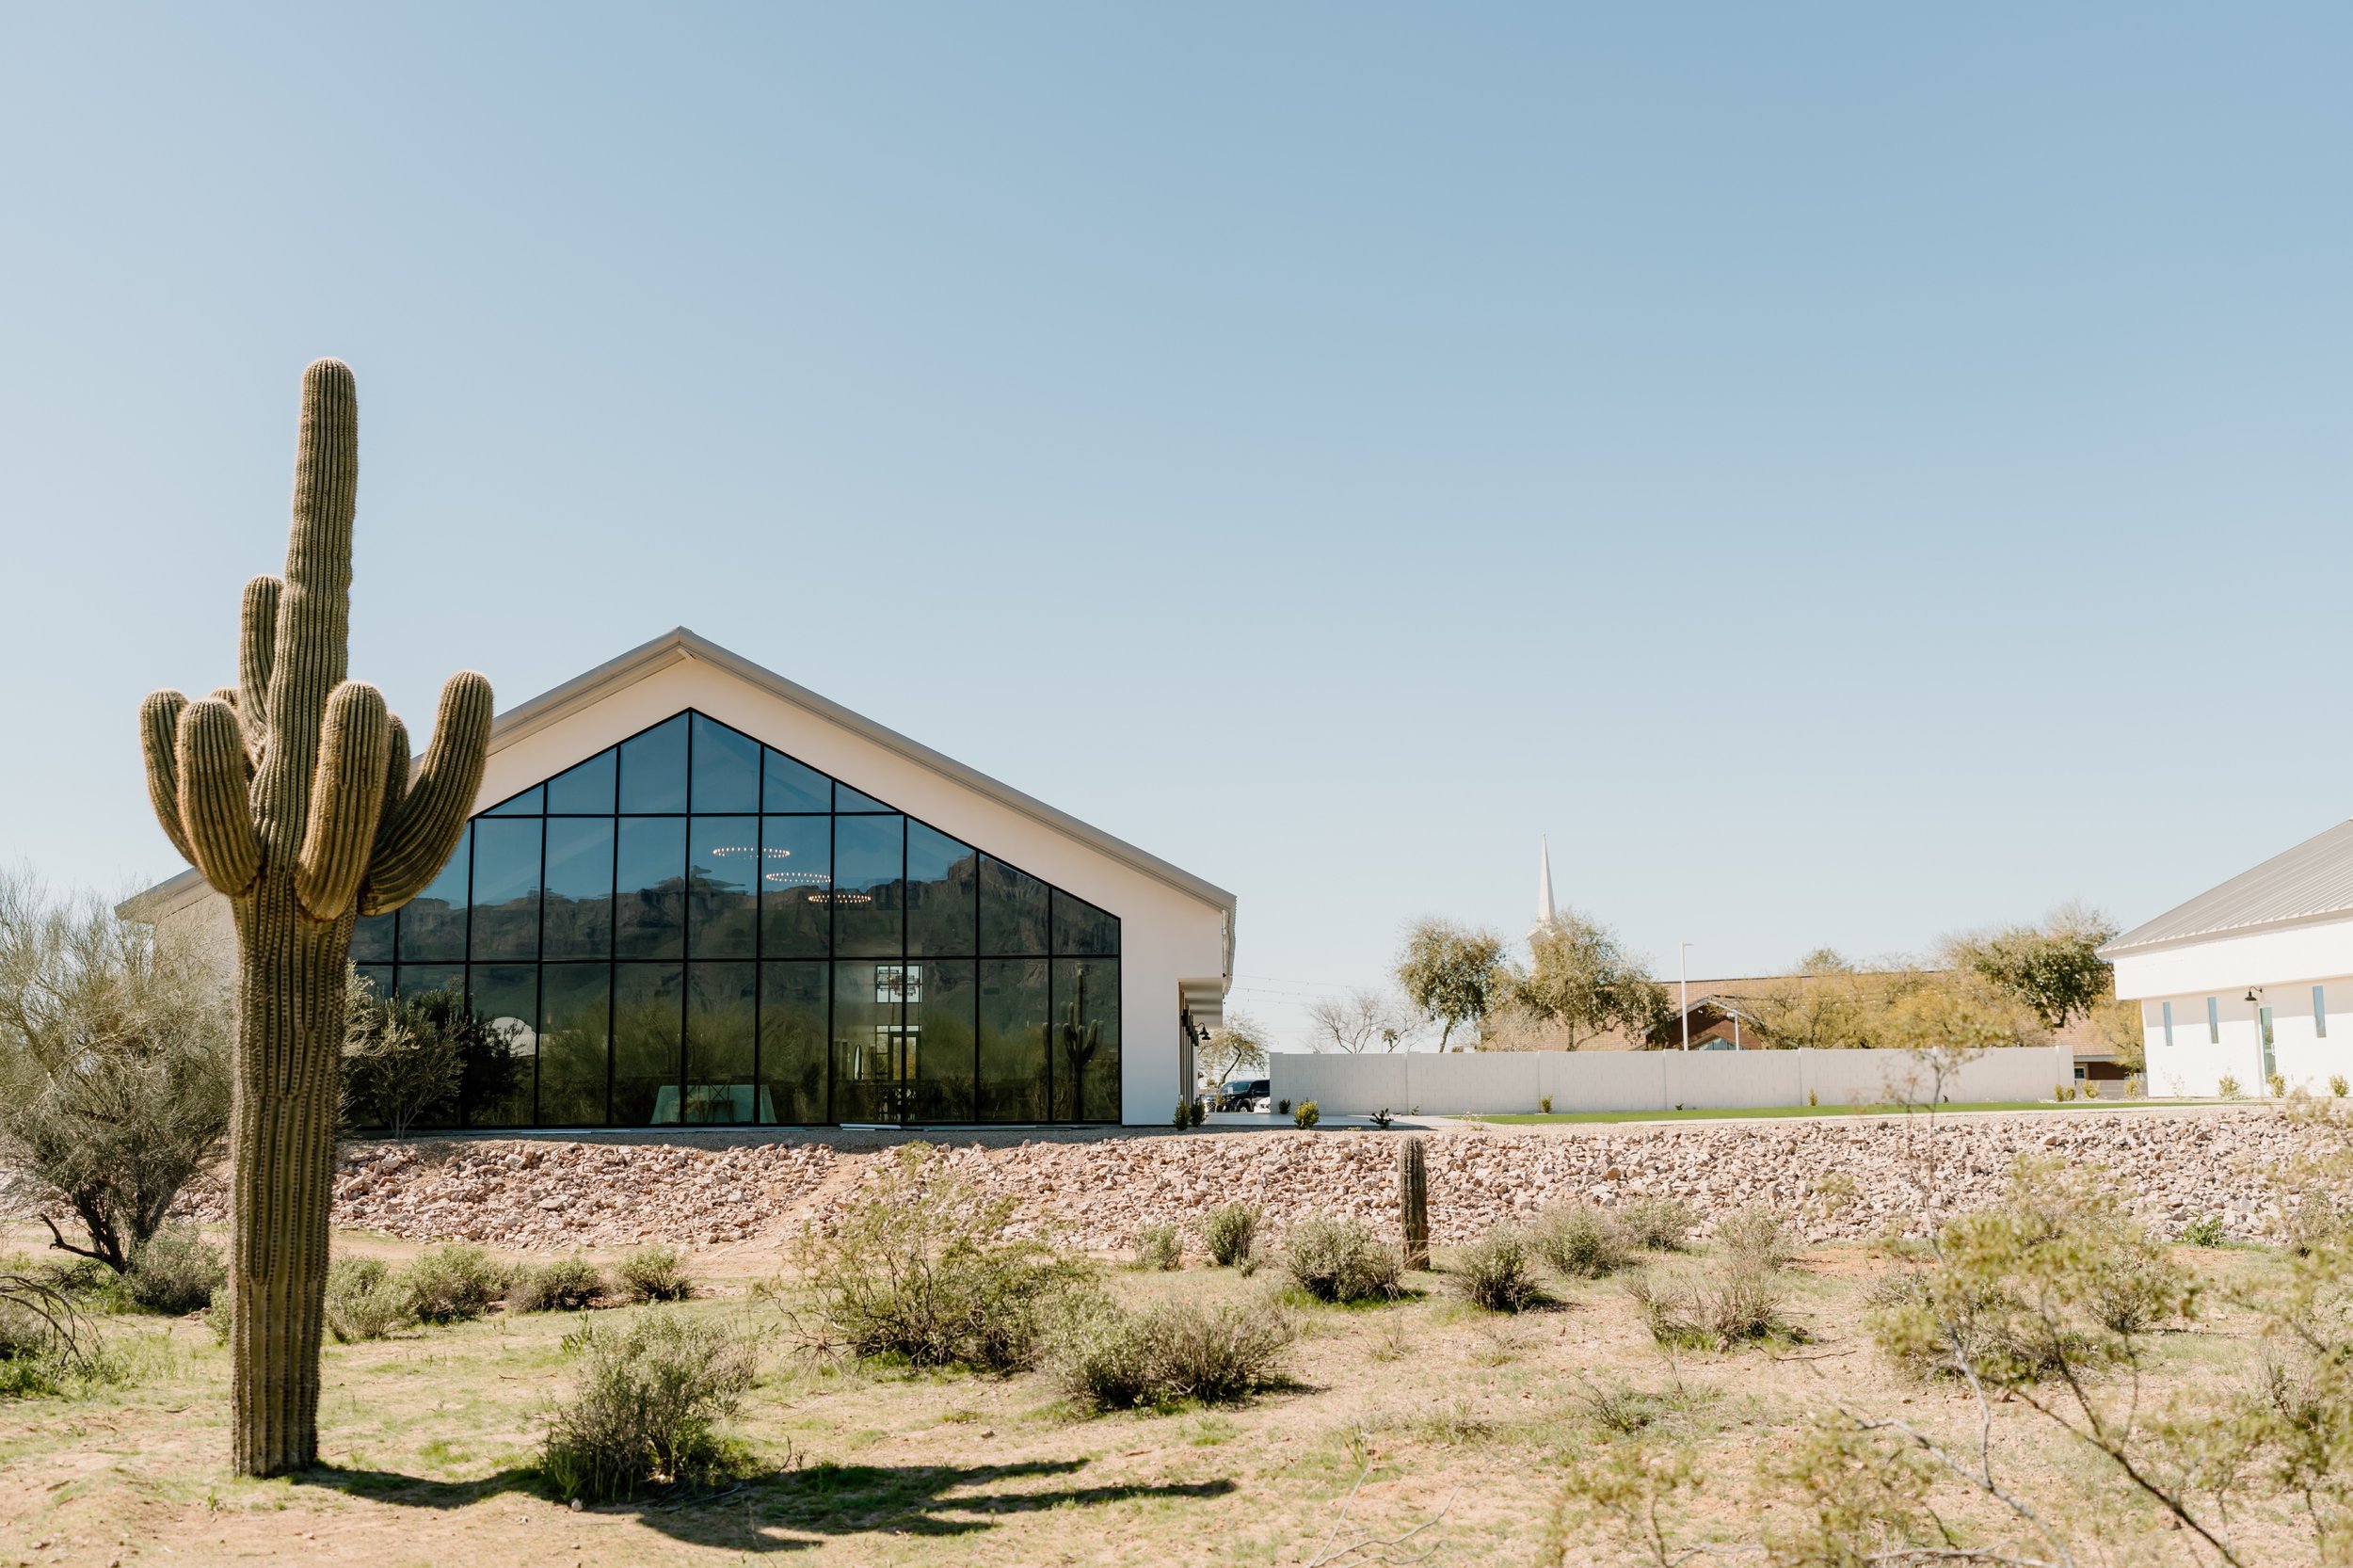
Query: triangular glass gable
(692, 927)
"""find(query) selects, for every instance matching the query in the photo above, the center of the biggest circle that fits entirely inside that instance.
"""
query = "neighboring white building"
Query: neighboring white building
(694, 891)
(2250, 979)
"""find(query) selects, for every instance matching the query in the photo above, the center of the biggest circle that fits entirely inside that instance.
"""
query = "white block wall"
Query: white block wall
(1507, 1082)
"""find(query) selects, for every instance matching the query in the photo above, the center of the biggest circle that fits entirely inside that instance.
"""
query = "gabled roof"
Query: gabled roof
(2312, 881)
(679, 644)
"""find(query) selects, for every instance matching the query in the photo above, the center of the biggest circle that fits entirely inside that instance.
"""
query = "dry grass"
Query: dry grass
(430, 1438)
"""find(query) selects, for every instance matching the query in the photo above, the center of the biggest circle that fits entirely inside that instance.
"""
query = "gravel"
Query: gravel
(1841, 1179)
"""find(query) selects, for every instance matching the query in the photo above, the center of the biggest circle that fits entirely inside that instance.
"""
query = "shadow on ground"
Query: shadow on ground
(794, 1510)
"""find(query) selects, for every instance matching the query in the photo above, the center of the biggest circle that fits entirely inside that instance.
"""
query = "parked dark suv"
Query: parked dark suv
(1244, 1093)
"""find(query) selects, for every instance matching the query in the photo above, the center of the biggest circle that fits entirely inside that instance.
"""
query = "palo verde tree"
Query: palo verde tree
(293, 793)
(1451, 975)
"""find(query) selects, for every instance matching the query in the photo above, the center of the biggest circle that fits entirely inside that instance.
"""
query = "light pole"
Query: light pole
(1683, 971)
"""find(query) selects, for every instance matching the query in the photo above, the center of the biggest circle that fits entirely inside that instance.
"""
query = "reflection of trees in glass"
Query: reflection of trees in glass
(719, 1000)
(1016, 1040)
(406, 1059)
(644, 1042)
(572, 1043)
(792, 1039)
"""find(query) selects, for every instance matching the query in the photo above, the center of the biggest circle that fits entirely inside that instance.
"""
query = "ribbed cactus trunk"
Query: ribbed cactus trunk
(1413, 1201)
(294, 793)
(282, 1141)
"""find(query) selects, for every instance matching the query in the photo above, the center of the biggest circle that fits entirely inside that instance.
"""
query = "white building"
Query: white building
(694, 891)
(2251, 979)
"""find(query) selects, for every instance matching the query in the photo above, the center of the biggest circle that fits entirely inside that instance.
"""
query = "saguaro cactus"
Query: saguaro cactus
(293, 793)
(1080, 1039)
(1413, 1201)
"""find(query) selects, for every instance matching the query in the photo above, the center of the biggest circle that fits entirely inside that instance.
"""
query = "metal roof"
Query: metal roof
(2312, 881)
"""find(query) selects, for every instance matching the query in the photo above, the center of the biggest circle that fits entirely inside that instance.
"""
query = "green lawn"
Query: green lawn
(1545, 1118)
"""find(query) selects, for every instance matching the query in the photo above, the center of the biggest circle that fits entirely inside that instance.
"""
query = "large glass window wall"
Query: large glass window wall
(691, 927)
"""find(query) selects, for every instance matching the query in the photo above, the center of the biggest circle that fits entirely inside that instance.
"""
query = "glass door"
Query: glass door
(2262, 1025)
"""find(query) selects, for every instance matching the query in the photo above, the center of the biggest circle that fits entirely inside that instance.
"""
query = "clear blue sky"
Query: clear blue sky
(1845, 472)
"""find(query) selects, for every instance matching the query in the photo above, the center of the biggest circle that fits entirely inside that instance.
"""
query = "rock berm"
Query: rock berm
(1841, 1179)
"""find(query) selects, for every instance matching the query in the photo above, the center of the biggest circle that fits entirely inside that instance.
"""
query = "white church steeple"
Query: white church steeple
(1544, 914)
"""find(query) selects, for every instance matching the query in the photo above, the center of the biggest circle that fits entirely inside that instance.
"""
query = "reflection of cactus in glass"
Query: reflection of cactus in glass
(1413, 1201)
(1080, 1039)
(293, 793)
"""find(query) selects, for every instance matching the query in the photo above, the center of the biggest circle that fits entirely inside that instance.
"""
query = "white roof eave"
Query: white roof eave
(680, 644)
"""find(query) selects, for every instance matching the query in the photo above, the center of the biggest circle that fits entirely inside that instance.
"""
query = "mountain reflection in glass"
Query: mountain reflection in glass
(690, 928)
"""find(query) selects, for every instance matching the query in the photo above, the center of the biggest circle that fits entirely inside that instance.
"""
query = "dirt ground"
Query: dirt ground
(1426, 1412)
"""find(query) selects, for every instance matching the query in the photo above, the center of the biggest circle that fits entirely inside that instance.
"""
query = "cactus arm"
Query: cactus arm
(308, 654)
(421, 832)
(345, 797)
(214, 782)
(226, 695)
(257, 635)
(398, 767)
(159, 739)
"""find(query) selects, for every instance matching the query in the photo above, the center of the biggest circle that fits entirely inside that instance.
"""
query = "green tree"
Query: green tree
(1451, 974)
(1236, 1048)
(114, 1064)
(2056, 969)
(1582, 980)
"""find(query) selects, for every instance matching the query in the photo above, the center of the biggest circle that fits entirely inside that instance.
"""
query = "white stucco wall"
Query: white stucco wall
(1166, 935)
(2281, 966)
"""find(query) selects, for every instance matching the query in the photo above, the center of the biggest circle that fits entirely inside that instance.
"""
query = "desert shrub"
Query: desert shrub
(1736, 1300)
(1158, 1248)
(114, 1064)
(48, 1346)
(1622, 1410)
(1543, 1104)
(2278, 1084)
(2058, 1276)
(2226, 1086)
(1656, 1224)
(2337, 1085)
(1338, 1260)
(1111, 1358)
(646, 1406)
(175, 1272)
(2320, 1221)
(364, 1300)
(564, 1285)
(918, 1269)
(1580, 1240)
(1307, 1115)
(453, 1282)
(654, 1273)
(1758, 1234)
(1499, 1271)
(2205, 1231)
(1230, 1231)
